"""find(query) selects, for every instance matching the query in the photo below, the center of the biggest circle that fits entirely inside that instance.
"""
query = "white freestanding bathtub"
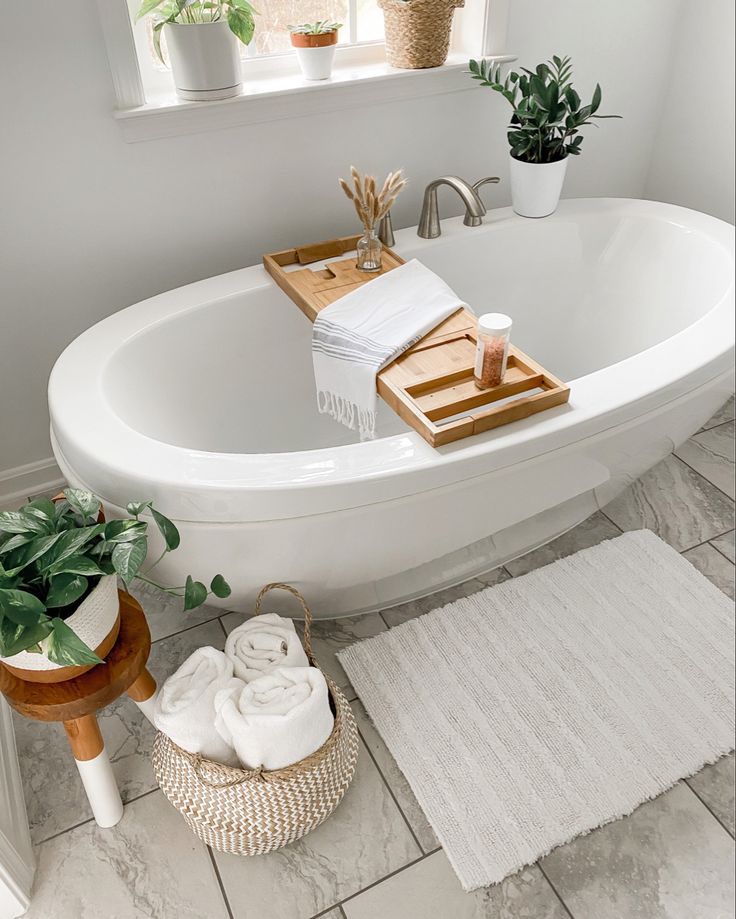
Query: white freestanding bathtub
(203, 400)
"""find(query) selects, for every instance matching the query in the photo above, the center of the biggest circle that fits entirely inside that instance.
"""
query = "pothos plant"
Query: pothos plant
(548, 112)
(53, 554)
(239, 15)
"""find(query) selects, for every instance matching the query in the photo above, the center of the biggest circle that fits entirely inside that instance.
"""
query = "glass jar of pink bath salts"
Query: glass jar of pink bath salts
(491, 356)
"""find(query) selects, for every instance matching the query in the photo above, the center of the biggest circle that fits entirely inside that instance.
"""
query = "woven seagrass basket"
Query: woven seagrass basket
(251, 812)
(418, 31)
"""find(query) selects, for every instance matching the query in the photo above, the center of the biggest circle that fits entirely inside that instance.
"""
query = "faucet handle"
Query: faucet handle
(470, 220)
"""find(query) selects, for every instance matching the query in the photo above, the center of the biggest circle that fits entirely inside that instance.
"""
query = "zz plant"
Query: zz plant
(53, 554)
(548, 112)
(239, 14)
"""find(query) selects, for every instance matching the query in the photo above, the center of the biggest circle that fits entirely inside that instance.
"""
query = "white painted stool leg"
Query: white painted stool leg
(102, 790)
(94, 767)
(143, 693)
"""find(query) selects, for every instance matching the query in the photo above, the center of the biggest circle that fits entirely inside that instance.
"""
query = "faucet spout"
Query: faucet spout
(429, 222)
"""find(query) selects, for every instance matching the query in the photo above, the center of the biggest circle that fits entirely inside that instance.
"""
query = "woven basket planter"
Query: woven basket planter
(252, 812)
(418, 31)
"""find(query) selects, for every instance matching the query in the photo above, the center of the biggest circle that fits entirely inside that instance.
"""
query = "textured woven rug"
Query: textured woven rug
(532, 712)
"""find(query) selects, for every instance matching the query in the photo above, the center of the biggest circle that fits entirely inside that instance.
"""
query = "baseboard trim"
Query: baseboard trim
(22, 482)
(17, 862)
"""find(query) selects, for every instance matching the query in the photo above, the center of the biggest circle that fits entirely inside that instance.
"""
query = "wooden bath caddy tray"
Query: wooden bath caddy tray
(430, 386)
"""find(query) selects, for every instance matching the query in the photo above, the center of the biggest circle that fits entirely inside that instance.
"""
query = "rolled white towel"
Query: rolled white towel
(185, 705)
(278, 719)
(262, 644)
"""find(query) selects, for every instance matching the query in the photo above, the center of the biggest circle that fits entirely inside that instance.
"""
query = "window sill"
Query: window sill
(290, 95)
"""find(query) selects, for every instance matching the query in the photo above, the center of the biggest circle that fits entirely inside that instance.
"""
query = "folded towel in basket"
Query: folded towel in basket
(185, 705)
(262, 644)
(276, 720)
(357, 335)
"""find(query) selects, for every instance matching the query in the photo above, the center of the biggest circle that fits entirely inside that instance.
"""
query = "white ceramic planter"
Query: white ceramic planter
(205, 60)
(316, 63)
(93, 621)
(536, 187)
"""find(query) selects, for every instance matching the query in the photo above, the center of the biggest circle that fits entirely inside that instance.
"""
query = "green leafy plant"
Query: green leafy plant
(321, 27)
(239, 15)
(548, 113)
(53, 554)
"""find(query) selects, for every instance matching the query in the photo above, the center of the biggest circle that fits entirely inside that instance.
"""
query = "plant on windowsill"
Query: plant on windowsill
(544, 130)
(202, 38)
(315, 44)
(59, 566)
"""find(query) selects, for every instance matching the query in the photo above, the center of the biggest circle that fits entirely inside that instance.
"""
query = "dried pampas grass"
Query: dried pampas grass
(371, 205)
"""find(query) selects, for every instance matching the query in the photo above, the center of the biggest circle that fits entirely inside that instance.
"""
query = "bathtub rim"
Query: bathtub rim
(123, 464)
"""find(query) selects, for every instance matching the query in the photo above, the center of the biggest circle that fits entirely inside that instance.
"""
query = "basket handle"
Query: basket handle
(247, 775)
(307, 611)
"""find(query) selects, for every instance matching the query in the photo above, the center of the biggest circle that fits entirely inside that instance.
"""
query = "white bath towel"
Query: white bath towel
(277, 719)
(357, 335)
(185, 705)
(262, 644)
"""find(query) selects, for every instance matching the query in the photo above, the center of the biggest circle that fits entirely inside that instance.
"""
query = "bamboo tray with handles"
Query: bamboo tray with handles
(430, 386)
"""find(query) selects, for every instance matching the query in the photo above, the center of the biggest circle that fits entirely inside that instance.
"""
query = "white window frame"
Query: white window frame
(274, 89)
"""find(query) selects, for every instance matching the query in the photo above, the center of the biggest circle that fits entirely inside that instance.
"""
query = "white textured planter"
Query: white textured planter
(536, 187)
(316, 63)
(205, 60)
(92, 621)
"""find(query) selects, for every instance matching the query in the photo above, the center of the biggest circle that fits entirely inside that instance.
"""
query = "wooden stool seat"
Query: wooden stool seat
(76, 702)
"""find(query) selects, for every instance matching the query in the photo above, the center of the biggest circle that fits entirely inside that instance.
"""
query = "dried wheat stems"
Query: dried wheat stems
(369, 204)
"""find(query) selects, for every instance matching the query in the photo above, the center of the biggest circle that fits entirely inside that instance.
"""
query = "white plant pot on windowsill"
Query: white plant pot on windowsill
(536, 187)
(315, 53)
(205, 60)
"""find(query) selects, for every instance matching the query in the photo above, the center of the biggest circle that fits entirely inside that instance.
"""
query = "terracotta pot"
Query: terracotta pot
(96, 621)
(315, 53)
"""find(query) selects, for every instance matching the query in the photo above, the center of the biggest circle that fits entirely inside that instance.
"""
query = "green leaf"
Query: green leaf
(21, 607)
(76, 564)
(16, 638)
(167, 530)
(82, 502)
(148, 6)
(135, 508)
(117, 531)
(22, 557)
(241, 24)
(597, 95)
(220, 587)
(64, 647)
(127, 558)
(69, 543)
(65, 589)
(195, 593)
(18, 522)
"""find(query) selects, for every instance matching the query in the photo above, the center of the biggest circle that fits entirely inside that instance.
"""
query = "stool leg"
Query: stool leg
(143, 693)
(94, 767)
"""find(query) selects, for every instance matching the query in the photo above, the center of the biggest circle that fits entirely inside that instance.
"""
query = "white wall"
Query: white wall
(90, 224)
(693, 157)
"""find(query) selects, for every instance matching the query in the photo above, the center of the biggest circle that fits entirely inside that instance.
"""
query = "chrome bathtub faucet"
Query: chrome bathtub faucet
(429, 222)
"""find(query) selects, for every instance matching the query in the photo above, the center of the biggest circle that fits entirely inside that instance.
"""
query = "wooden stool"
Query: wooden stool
(76, 702)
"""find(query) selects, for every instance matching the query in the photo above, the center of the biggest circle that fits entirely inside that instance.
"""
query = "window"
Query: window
(147, 106)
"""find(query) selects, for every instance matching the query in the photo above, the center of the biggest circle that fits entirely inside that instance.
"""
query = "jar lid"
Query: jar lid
(490, 323)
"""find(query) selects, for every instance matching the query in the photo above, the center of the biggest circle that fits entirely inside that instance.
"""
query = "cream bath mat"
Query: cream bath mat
(537, 710)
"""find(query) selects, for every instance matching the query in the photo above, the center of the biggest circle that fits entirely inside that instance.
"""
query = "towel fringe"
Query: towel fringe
(348, 413)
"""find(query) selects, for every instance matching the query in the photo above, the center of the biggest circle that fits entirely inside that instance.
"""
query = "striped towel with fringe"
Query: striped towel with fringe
(359, 334)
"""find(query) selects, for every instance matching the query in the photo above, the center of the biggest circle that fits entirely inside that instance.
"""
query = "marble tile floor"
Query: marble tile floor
(377, 856)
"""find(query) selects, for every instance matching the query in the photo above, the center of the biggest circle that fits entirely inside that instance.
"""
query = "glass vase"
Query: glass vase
(369, 250)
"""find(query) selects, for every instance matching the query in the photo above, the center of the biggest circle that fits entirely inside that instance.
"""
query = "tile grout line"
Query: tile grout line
(387, 877)
(219, 881)
(702, 476)
(390, 790)
(706, 805)
(554, 890)
(187, 628)
(222, 626)
(712, 428)
(719, 550)
(76, 826)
